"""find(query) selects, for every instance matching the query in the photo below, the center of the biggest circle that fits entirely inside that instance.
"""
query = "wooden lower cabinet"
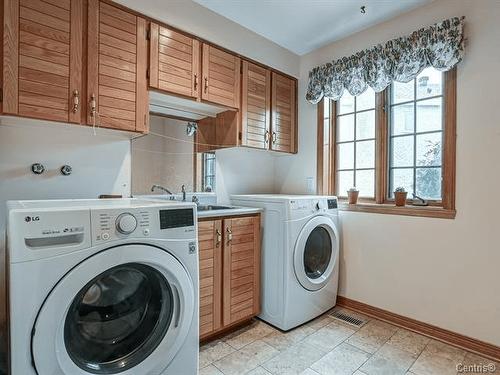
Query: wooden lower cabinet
(229, 272)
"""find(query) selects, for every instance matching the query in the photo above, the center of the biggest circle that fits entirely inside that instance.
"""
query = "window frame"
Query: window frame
(444, 208)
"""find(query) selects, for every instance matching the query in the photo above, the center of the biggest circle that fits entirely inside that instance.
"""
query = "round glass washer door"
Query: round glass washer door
(109, 318)
(316, 252)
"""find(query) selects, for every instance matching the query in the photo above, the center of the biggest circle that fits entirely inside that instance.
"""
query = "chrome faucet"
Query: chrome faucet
(159, 187)
(183, 190)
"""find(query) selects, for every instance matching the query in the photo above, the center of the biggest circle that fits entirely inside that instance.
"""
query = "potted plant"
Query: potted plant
(352, 195)
(400, 196)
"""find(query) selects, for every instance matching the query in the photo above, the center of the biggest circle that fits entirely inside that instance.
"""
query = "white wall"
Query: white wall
(193, 18)
(443, 272)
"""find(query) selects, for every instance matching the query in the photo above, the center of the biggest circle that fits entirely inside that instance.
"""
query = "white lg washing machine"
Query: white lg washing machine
(300, 256)
(103, 287)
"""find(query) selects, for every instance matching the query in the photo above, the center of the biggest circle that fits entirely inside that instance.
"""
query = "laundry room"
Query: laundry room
(210, 187)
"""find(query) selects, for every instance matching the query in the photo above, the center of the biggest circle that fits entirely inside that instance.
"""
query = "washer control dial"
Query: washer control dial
(126, 223)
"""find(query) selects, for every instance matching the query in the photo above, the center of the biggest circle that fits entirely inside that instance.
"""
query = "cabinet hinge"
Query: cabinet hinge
(147, 73)
(240, 136)
(148, 34)
(1, 95)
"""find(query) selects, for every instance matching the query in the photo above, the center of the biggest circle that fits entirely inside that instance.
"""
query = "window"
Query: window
(401, 137)
(355, 144)
(208, 171)
(416, 135)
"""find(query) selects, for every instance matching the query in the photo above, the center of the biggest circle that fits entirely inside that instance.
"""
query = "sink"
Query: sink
(211, 207)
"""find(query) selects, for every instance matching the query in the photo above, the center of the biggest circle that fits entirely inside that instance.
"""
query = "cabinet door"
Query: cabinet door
(174, 62)
(210, 244)
(221, 77)
(241, 283)
(255, 106)
(283, 122)
(42, 70)
(117, 68)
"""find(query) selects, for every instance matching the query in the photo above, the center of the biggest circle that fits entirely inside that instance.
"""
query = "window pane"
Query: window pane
(429, 83)
(402, 151)
(345, 128)
(365, 125)
(402, 119)
(326, 131)
(402, 178)
(366, 100)
(365, 154)
(346, 103)
(365, 182)
(345, 154)
(326, 108)
(429, 149)
(345, 181)
(402, 92)
(429, 183)
(429, 115)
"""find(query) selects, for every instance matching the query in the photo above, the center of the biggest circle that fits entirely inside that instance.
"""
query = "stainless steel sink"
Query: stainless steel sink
(212, 207)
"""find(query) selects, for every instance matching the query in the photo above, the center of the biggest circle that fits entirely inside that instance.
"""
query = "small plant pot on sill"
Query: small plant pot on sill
(400, 198)
(352, 195)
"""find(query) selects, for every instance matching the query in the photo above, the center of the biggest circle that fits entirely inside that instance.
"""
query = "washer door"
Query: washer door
(126, 310)
(316, 252)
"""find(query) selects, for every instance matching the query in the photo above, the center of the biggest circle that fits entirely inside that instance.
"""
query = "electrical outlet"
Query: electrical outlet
(310, 185)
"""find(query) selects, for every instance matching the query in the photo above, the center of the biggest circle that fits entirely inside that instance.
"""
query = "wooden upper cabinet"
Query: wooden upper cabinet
(174, 62)
(117, 67)
(255, 106)
(42, 64)
(210, 247)
(283, 118)
(241, 283)
(221, 77)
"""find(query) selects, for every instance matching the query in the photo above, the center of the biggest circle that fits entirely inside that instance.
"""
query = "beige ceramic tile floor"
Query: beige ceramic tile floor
(326, 346)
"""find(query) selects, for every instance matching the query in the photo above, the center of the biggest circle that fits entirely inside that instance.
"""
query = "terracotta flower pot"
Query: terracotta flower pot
(352, 195)
(400, 198)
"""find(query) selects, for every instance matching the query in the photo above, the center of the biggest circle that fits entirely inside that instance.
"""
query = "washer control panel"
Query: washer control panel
(312, 205)
(115, 224)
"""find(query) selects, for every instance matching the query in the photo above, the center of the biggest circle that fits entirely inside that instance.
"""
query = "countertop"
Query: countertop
(236, 211)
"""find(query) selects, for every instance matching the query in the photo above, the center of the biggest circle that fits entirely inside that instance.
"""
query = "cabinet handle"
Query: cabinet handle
(219, 238)
(266, 136)
(275, 138)
(76, 101)
(93, 105)
(195, 82)
(229, 235)
(206, 85)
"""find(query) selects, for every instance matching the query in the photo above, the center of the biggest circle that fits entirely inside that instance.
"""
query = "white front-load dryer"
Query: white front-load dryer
(103, 287)
(300, 256)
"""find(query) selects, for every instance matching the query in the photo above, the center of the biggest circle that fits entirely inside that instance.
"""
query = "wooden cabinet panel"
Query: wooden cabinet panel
(210, 247)
(174, 62)
(42, 70)
(221, 77)
(255, 106)
(117, 68)
(283, 121)
(241, 280)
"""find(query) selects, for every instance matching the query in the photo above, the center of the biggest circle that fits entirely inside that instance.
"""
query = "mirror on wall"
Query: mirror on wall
(167, 157)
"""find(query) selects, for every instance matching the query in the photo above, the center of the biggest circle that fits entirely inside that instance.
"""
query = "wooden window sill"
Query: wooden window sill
(391, 209)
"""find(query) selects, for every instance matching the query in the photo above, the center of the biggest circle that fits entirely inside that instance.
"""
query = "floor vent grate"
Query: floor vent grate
(347, 318)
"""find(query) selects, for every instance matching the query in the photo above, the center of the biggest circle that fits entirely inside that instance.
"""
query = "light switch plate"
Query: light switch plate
(310, 185)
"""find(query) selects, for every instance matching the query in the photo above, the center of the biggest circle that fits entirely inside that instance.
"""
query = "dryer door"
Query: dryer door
(316, 252)
(126, 310)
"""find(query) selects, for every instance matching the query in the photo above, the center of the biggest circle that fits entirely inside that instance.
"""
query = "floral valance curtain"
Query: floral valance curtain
(402, 59)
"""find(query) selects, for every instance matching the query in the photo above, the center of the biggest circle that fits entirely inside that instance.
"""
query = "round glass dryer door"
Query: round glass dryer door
(316, 252)
(126, 310)
(118, 318)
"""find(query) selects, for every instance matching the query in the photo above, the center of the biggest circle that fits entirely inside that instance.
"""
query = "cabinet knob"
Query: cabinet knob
(195, 82)
(93, 105)
(275, 138)
(229, 235)
(206, 85)
(266, 137)
(218, 238)
(76, 101)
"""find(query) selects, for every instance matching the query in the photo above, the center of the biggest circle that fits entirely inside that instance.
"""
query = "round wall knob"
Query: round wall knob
(66, 170)
(126, 223)
(37, 168)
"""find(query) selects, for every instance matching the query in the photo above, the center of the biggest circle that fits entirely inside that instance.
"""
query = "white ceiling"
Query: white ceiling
(304, 25)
